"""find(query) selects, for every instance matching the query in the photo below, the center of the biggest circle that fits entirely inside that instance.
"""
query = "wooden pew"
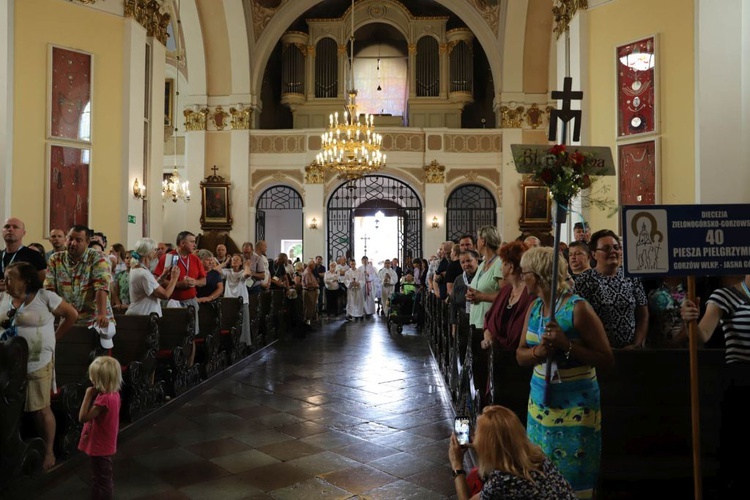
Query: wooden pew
(232, 316)
(176, 335)
(20, 459)
(73, 355)
(267, 323)
(208, 340)
(136, 345)
(646, 414)
(253, 306)
(280, 313)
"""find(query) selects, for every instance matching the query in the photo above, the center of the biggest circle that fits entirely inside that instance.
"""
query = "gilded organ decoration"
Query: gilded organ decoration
(314, 174)
(196, 118)
(434, 172)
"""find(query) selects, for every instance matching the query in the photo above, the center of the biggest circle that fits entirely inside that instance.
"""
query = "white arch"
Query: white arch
(269, 182)
(492, 45)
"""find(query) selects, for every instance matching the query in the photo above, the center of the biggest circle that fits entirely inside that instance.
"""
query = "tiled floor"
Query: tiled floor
(350, 411)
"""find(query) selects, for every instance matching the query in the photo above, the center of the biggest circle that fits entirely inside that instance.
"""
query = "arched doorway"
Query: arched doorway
(374, 193)
(279, 220)
(469, 207)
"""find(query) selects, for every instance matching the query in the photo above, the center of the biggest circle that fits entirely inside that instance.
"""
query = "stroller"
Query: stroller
(402, 307)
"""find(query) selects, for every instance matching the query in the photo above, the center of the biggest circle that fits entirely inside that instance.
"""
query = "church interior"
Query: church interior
(246, 91)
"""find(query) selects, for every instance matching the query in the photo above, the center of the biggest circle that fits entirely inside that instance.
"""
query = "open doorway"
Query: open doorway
(376, 236)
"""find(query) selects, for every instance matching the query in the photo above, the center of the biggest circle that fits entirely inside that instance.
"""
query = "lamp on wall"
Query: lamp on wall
(314, 223)
(174, 188)
(139, 192)
(435, 223)
(351, 148)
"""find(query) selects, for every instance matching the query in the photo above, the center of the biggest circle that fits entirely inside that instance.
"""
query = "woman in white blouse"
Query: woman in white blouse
(145, 291)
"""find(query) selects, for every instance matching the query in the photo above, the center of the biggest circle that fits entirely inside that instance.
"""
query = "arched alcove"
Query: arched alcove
(469, 207)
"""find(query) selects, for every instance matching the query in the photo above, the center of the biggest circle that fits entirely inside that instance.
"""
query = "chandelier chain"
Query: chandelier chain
(351, 148)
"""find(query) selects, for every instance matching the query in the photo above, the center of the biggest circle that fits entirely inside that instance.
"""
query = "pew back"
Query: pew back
(73, 354)
(137, 336)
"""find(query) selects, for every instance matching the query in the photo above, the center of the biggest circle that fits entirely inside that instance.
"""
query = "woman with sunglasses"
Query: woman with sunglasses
(27, 310)
(620, 302)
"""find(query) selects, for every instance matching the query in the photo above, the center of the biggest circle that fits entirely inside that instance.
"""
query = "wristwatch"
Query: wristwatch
(458, 472)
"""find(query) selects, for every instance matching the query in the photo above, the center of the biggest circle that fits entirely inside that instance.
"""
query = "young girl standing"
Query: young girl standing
(100, 414)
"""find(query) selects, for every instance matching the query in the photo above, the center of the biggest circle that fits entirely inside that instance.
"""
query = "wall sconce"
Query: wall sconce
(139, 192)
(314, 223)
(435, 223)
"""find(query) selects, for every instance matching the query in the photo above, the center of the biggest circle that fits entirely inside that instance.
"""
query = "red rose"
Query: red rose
(557, 149)
(577, 158)
(547, 176)
(586, 181)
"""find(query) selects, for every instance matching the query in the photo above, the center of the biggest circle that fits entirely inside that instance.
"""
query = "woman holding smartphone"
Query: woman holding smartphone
(510, 465)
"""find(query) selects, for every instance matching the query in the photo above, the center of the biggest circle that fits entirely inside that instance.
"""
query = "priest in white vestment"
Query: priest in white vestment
(388, 279)
(372, 284)
(355, 282)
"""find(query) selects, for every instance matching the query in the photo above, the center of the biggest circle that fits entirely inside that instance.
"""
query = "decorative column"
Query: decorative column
(412, 70)
(314, 232)
(6, 105)
(196, 123)
(239, 170)
(343, 71)
(434, 208)
(134, 74)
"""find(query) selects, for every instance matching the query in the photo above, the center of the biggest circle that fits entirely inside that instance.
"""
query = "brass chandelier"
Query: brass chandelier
(351, 148)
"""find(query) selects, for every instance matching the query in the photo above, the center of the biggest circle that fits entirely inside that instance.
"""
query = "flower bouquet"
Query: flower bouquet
(566, 174)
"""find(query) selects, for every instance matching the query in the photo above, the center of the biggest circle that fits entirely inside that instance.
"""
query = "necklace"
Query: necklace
(514, 298)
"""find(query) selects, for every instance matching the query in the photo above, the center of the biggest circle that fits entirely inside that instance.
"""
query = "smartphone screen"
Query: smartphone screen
(462, 429)
(175, 259)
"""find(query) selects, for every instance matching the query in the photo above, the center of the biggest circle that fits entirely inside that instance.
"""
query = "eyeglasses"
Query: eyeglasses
(609, 248)
(577, 254)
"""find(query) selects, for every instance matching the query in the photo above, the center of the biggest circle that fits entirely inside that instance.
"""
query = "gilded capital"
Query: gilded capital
(240, 117)
(148, 14)
(314, 174)
(434, 173)
(196, 119)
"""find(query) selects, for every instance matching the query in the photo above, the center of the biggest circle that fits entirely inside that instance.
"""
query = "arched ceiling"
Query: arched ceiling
(502, 28)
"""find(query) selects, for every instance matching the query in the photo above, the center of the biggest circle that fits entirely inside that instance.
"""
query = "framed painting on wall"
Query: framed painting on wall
(69, 94)
(637, 78)
(168, 102)
(215, 203)
(68, 186)
(536, 206)
(639, 173)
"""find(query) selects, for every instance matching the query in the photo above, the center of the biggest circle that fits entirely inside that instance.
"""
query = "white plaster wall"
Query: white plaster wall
(722, 101)
(6, 105)
(282, 225)
(434, 206)
(155, 170)
(314, 240)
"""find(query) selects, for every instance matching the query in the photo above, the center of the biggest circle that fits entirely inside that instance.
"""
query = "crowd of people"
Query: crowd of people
(502, 289)
(597, 309)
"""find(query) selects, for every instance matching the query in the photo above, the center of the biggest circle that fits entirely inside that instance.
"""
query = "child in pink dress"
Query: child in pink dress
(100, 414)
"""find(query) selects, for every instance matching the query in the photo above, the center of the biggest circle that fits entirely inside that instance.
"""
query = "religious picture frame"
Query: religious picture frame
(637, 79)
(215, 203)
(536, 206)
(638, 172)
(169, 102)
(69, 94)
(68, 169)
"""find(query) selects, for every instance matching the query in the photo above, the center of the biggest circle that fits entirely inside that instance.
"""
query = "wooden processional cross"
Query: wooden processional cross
(529, 158)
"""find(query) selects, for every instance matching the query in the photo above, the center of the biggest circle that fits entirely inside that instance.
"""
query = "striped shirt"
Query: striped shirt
(735, 322)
